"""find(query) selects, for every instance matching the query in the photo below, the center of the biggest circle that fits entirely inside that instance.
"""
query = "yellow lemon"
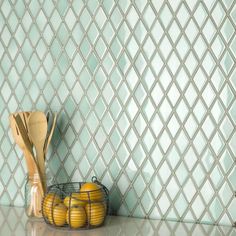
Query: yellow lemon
(92, 192)
(58, 216)
(95, 213)
(73, 200)
(50, 200)
(76, 217)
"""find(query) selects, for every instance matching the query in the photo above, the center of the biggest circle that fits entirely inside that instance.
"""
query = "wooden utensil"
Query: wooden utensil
(21, 138)
(37, 125)
(24, 117)
(36, 180)
(49, 137)
(28, 153)
(22, 134)
(49, 123)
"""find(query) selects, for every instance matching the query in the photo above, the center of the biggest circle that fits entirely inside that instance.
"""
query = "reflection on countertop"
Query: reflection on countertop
(13, 221)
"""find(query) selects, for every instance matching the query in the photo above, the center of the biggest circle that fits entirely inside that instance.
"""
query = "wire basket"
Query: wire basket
(76, 205)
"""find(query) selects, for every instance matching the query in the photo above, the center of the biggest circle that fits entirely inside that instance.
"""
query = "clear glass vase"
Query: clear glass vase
(34, 193)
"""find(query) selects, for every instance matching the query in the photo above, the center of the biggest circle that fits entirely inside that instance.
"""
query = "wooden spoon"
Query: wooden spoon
(37, 125)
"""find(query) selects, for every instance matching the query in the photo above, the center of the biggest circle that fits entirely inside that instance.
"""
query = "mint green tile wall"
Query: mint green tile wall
(145, 92)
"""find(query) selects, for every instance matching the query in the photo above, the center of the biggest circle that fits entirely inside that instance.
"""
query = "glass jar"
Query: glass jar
(34, 194)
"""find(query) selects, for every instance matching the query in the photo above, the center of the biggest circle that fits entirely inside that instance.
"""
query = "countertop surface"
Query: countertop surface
(13, 221)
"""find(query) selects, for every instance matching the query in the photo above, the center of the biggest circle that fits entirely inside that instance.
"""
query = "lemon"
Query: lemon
(95, 213)
(92, 192)
(50, 200)
(76, 217)
(73, 200)
(58, 216)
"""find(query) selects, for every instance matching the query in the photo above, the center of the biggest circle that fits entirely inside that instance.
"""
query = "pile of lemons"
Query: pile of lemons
(78, 209)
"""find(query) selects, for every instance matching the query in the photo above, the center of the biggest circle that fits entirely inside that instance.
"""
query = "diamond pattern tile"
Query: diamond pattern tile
(145, 92)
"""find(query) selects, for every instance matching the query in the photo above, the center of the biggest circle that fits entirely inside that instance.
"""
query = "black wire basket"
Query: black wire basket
(76, 205)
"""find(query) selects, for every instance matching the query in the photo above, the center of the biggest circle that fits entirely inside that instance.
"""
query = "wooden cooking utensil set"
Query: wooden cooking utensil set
(32, 132)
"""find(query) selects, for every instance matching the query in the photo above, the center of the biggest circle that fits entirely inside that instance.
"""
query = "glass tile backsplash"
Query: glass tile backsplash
(145, 92)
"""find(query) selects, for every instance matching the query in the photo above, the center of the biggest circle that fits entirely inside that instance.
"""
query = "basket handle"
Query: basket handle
(95, 180)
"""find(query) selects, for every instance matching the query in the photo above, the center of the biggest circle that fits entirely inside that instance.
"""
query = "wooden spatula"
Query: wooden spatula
(37, 125)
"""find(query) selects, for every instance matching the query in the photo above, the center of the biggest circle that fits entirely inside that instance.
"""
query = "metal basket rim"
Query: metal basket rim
(57, 186)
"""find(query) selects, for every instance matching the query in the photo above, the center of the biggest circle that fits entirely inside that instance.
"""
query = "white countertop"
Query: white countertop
(13, 221)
